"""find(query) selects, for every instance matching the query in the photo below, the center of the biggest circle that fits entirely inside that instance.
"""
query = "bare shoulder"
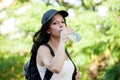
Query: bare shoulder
(43, 51)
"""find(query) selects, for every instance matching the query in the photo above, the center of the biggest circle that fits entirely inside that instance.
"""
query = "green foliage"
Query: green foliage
(113, 73)
(11, 65)
(22, 1)
(99, 34)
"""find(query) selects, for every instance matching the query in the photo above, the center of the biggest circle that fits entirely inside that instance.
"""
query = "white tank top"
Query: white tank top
(65, 73)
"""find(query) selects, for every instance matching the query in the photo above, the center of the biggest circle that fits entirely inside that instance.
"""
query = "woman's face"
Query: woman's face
(56, 24)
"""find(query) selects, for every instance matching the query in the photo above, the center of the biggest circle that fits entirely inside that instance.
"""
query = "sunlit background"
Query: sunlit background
(97, 55)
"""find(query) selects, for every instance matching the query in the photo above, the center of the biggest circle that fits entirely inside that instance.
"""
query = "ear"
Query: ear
(48, 31)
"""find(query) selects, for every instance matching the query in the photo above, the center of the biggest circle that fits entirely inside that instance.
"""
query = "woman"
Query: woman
(52, 36)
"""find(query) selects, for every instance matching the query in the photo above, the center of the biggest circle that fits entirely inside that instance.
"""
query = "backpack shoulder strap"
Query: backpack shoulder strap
(48, 73)
(51, 50)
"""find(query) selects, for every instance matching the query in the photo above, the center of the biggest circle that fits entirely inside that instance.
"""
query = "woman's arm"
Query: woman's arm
(55, 63)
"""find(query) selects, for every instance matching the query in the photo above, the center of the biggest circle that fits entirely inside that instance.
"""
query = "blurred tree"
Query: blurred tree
(23, 1)
(113, 73)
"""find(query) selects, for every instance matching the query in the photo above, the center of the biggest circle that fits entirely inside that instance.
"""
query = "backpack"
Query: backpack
(31, 71)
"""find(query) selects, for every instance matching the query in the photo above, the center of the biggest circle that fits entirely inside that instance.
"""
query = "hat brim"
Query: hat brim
(63, 13)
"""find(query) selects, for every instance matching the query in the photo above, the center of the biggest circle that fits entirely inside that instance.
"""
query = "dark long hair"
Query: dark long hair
(40, 37)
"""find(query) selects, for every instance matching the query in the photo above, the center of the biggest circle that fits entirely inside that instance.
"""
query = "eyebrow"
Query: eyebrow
(57, 20)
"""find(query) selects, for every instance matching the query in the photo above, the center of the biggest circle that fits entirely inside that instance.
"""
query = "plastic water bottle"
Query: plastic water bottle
(75, 37)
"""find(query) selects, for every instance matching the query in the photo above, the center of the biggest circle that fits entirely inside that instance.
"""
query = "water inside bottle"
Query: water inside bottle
(74, 37)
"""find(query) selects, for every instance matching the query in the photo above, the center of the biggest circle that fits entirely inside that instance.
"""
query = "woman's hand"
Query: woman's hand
(78, 75)
(65, 32)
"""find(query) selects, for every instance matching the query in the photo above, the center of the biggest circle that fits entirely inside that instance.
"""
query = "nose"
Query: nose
(61, 25)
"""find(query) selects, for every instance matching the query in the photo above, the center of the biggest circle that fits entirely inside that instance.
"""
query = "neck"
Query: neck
(53, 42)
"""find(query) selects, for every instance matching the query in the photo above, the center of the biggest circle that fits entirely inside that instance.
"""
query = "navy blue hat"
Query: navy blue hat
(50, 14)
